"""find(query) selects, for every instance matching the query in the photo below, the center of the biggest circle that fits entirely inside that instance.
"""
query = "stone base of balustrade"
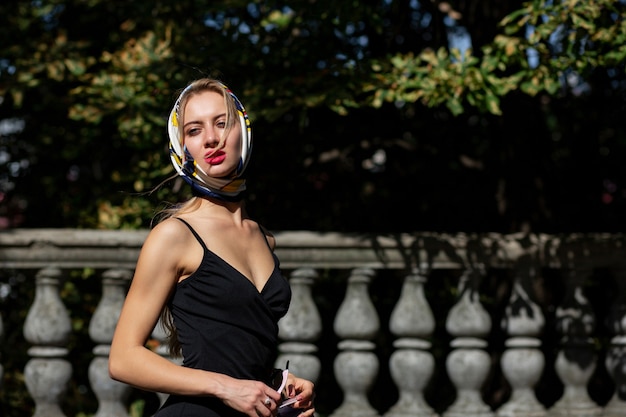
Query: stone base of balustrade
(415, 409)
(614, 411)
(523, 403)
(615, 407)
(457, 410)
(355, 410)
(591, 411)
(521, 411)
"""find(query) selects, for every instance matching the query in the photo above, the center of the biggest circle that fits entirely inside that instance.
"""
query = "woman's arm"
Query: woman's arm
(156, 274)
(164, 257)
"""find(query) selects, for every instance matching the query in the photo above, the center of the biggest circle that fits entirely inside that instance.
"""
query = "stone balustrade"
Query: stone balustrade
(425, 324)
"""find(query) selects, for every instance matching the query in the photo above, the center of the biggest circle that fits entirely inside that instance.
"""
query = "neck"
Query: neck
(222, 207)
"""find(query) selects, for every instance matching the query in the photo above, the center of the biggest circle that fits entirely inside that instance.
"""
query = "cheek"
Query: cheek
(192, 145)
(234, 140)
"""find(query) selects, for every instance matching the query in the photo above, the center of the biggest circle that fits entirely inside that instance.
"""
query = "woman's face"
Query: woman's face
(204, 124)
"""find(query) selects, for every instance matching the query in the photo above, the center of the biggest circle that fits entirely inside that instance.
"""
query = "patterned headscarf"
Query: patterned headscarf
(226, 188)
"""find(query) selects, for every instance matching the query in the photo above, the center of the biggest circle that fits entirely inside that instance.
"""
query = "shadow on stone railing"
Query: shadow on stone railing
(395, 325)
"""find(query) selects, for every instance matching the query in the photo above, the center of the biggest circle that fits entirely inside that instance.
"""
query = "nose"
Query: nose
(211, 138)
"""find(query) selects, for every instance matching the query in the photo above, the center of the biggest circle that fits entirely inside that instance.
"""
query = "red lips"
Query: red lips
(215, 158)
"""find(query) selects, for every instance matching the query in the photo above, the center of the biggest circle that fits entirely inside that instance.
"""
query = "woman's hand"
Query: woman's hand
(304, 392)
(253, 398)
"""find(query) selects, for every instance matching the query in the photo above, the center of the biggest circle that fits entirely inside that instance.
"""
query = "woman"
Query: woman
(212, 271)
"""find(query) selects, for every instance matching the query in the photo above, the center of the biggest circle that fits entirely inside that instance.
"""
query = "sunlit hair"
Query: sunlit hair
(229, 187)
(196, 87)
(167, 320)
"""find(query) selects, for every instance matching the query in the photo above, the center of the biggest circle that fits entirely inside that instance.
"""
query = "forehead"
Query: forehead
(205, 103)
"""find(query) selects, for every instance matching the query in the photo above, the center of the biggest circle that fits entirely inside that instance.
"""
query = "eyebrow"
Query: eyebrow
(199, 122)
(193, 122)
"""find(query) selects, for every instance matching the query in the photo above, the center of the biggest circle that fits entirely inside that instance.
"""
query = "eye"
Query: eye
(193, 131)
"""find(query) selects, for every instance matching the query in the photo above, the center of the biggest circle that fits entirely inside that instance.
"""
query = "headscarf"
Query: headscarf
(226, 188)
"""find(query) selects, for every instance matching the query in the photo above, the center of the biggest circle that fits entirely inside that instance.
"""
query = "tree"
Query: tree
(366, 118)
(377, 121)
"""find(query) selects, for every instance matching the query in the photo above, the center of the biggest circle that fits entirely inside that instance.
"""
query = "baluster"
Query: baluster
(523, 362)
(356, 366)
(575, 362)
(411, 364)
(111, 394)
(48, 328)
(616, 355)
(468, 364)
(300, 328)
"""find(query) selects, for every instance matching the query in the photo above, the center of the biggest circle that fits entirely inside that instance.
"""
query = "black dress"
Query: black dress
(225, 325)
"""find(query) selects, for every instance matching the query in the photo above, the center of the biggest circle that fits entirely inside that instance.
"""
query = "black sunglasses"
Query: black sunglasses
(278, 381)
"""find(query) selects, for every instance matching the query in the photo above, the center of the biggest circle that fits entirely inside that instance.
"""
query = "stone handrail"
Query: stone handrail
(458, 349)
(76, 248)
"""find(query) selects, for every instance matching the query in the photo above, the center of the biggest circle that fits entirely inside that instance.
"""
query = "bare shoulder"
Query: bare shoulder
(170, 228)
(168, 234)
(170, 250)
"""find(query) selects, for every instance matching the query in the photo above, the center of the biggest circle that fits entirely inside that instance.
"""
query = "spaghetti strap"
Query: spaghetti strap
(264, 233)
(194, 233)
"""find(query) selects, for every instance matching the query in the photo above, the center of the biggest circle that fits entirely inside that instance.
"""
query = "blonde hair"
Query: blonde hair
(194, 88)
